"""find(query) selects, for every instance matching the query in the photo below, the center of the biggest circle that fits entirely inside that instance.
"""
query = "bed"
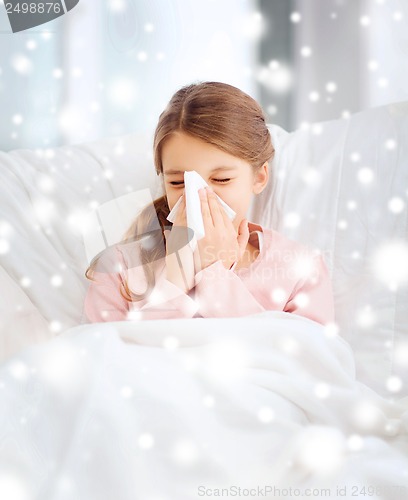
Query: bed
(272, 405)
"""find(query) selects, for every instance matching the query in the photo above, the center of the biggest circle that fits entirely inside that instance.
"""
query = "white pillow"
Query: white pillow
(45, 195)
(342, 186)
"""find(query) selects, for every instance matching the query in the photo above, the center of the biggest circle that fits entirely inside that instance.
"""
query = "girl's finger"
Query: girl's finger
(205, 209)
(223, 214)
(215, 209)
(243, 236)
(181, 232)
(181, 213)
(197, 260)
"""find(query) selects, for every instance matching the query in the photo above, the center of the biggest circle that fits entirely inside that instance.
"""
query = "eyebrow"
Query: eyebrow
(217, 169)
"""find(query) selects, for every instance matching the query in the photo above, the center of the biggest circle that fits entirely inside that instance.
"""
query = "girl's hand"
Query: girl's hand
(179, 256)
(221, 241)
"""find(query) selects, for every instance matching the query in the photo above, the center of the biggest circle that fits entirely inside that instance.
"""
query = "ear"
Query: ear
(261, 178)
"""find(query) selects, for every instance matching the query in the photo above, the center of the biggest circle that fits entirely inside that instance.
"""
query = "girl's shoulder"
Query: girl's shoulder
(109, 261)
(300, 260)
(119, 257)
(282, 246)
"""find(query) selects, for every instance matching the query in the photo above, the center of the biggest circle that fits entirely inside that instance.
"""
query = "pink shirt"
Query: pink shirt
(285, 276)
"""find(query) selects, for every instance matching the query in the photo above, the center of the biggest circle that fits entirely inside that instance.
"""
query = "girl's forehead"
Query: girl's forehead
(179, 153)
(180, 139)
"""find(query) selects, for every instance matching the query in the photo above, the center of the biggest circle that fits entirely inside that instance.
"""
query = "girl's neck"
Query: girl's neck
(250, 254)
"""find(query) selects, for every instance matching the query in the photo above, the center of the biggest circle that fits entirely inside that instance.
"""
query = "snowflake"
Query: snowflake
(292, 219)
(22, 64)
(355, 442)
(56, 280)
(31, 44)
(295, 17)
(331, 87)
(253, 26)
(185, 452)
(394, 383)
(272, 109)
(366, 317)
(301, 300)
(55, 326)
(4, 246)
(13, 487)
(142, 56)
(321, 449)
(342, 224)
(122, 92)
(170, 343)
(365, 175)
(146, 441)
(117, 5)
(390, 144)
(366, 415)
(126, 392)
(322, 390)
(266, 414)
(355, 157)
(365, 21)
(57, 73)
(373, 65)
(312, 177)
(276, 76)
(208, 401)
(389, 263)
(17, 119)
(396, 205)
(305, 51)
(278, 295)
(397, 16)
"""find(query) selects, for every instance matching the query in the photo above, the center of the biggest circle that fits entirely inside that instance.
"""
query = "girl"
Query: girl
(239, 267)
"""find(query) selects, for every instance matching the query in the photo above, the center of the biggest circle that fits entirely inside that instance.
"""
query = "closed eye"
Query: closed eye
(175, 183)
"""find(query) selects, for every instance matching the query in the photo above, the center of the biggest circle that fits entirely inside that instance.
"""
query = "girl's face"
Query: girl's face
(231, 178)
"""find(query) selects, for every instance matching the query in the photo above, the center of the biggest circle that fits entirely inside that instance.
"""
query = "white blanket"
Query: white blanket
(265, 406)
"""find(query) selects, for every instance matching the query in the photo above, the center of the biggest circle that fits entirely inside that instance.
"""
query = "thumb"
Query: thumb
(166, 238)
(243, 235)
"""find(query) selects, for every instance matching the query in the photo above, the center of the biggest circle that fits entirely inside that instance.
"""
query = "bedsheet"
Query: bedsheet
(264, 406)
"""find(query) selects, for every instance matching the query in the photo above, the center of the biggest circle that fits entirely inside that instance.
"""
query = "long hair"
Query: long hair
(218, 114)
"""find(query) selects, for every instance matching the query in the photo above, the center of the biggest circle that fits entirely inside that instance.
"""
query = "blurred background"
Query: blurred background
(109, 68)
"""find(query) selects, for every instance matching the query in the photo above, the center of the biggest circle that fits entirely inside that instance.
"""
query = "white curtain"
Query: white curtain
(109, 68)
(348, 55)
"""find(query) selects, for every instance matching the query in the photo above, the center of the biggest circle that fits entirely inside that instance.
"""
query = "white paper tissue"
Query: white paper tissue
(192, 183)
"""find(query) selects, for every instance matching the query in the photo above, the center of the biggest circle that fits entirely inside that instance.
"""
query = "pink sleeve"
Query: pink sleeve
(104, 302)
(313, 296)
(221, 293)
(166, 301)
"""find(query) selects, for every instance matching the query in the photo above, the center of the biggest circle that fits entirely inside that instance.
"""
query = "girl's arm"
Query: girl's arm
(104, 302)
(313, 297)
(221, 293)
